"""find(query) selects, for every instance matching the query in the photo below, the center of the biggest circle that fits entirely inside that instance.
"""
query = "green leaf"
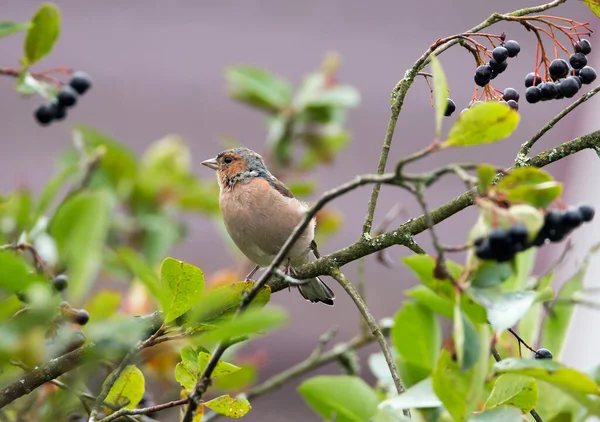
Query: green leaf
(336, 96)
(185, 376)
(552, 402)
(419, 324)
(43, 33)
(491, 273)
(223, 301)
(504, 309)
(228, 406)
(515, 390)
(236, 381)
(258, 88)
(550, 371)
(466, 341)
(418, 396)
(7, 28)
(594, 6)
(557, 321)
(499, 414)
(252, 321)
(118, 164)
(140, 269)
(540, 195)
(530, 185)
(182, 286)
(341, 398)
(15, 274)
(128, 389)
(410, 373)
(423, 267)
(431, 300)
(103, 304)
(486, 123)
(529, 327)
(80, 228)
(485, 175)
(222, 368)
(522, 267)
(162, 231)
(440, 93)
(460, 391)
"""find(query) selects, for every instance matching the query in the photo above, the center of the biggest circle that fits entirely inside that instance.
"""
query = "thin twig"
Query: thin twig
(373, 326)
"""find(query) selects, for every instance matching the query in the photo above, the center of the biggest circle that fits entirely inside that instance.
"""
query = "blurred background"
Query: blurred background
(158, 69)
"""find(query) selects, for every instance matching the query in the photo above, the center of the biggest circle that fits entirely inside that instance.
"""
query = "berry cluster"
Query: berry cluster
(559, 224)
(566, 80)
(497, 64)
(502, 245)
(66, 98)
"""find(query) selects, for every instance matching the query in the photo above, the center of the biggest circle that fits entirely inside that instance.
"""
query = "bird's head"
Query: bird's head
(237, 165)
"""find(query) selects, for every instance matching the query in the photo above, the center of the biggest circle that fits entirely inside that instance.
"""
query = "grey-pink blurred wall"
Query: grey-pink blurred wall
(158, 68)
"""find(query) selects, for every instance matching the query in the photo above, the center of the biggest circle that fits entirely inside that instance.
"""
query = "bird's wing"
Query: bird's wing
(280, 187)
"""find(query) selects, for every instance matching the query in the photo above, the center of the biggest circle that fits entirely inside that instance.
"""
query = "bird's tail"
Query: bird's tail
(317, 291)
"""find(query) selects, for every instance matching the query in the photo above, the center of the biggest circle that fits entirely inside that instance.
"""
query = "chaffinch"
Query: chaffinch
(260, 214)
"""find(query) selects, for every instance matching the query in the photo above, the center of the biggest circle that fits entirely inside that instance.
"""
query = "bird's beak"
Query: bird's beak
(211, 163)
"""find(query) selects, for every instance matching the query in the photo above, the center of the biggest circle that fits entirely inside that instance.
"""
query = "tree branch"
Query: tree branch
(404, 234)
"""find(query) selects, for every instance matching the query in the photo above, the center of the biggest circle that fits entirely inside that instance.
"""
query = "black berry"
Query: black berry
(518, 233)
(450, 107)
(533, 94)
(559, 95)
(543, 354)
(498, 66)
(559, 68)
(548, 91)
(569, 87)
(44, 114)
(513, 104)
(59, 111)
(576, 79)
(80, 82)
(500, 54)
(587, 212)
(532, 79)
(510, 94)
(81, 317)
(577, 60)
(512, 47)
(572, 218)
(483, 75)
(61, 282)
(587, 75)
(583, 46)
(67, 97)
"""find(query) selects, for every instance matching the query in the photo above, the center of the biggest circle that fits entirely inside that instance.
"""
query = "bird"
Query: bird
(260, 213)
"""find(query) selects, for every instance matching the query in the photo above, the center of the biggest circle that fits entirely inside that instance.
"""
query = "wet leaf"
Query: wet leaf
(228, 406)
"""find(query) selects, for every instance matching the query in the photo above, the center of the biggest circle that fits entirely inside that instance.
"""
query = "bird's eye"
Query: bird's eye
(228, 160)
